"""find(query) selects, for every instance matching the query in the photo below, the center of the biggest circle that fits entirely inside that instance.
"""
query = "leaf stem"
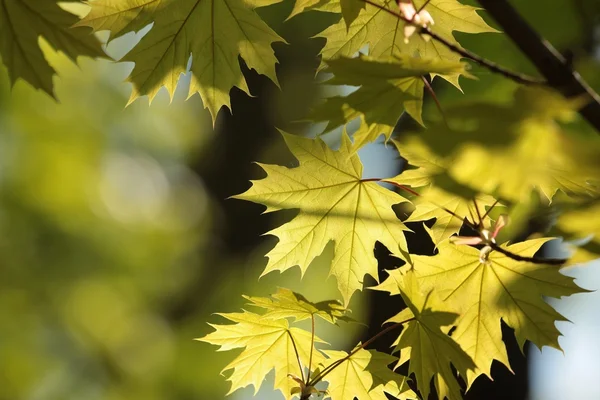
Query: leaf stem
(533, 260)
(435, 99)
(312, 344)
(492, 66)
(333, 365)
(399, 186)
(297, 355)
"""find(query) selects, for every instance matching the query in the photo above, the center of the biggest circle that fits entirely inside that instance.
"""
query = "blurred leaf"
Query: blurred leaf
(23, 23)
(510, 150)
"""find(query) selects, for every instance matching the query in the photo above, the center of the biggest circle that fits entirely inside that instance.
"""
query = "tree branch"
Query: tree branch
(549, 62)
(490, 65)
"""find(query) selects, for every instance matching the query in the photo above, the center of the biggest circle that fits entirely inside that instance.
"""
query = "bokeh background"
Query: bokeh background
(118, 242)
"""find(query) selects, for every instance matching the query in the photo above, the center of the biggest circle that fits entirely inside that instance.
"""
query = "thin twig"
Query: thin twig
(297, 355)
(332, 366)
(423, 6)
(435, 99)
(312, 343)
(533, 260)
(492, 66)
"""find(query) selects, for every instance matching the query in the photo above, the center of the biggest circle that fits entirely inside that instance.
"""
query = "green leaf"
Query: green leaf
(287, 304)
(216, 33)
(365, 375)
(23, 22)
(578, 223)
(508, 151)
(335, 205)
(501, 289)
(424, 339)
(384, 33)
(388, 87)
(268, 344)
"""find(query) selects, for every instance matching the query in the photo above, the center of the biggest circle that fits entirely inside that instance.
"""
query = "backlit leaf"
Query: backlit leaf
(335, 205)
(365, 376)
(424, 337)
(388, 87)
(23, 23)
(502, 289)
(268, 345)
(384, 32)
(215, 33)
(287, 304)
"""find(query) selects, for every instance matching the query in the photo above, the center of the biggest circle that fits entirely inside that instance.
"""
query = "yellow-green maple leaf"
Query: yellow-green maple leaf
(578, 223)
(388, 87)
(23, 22)
(348, 8)
(268, 344)
(510, 150)
(501, 289)
(215, 33)
(365, 375)
(435, 201)
(288, 304)
(424, 339)
(384, 32)
(335, 205)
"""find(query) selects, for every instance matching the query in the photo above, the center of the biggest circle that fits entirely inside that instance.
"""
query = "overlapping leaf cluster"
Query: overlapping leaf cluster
(271, 342)
(496, 154)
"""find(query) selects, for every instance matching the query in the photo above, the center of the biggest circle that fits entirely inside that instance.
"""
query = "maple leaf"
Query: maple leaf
(509, 150)
(287, 304)
(23, 22)
(440, 200)
(384, 33)
(424, 339)
(335, 205)
(578, 223)
(348, 8)
(365, 375)
(502, 288)
(216, 33)
(388, 87)
(268, 344)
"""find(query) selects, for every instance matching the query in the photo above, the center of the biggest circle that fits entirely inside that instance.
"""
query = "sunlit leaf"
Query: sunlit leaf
(365, 376)
(335, 205)
(214, 33)
(501, 289)
(388, 87)
(287, 304)
(424, 337)
(384, 32)
(268, 344)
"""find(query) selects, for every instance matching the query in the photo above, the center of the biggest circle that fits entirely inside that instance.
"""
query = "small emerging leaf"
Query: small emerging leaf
(287, 304)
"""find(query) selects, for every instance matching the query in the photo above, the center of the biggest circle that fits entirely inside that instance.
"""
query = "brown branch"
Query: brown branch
(548, 61)
(490, 65)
